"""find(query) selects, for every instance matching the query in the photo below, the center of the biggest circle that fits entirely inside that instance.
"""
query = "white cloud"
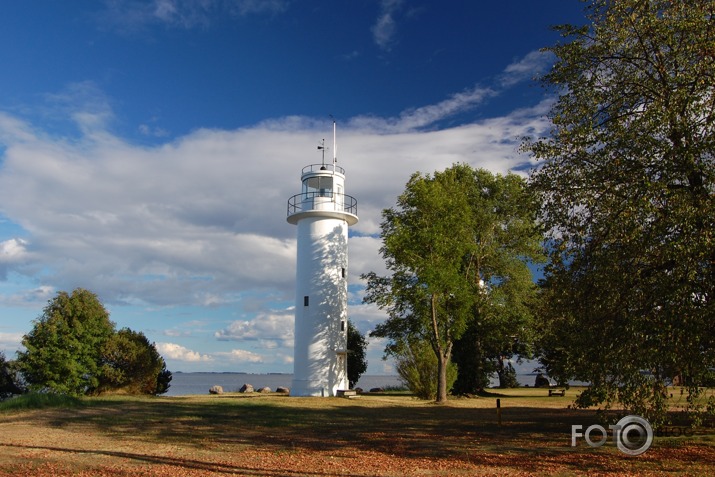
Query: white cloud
(384, 29)
(272, 329)
(14, 130)
(12, 253)
(152, 131)
(174, 333)
(29, 298)
(416, 119)
(362, 253)
(13, 249)
(240, 356)
(200, 220)
(9, 342)
(85, 103)
(180, 353)
(526, 68)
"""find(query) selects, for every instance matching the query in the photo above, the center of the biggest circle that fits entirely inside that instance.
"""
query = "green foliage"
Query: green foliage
(63, 349)
(628, 185)
(357, 362)
(507, 376)
(73, 349)
(417, 366)
(163, 380)
(8, 378)
(456, 245)
(131, 364)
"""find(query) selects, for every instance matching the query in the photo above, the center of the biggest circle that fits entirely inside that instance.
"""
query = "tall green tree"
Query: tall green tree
(508, 240)
(456, 252)
(627, 182)
(62, 351)
(357, 347)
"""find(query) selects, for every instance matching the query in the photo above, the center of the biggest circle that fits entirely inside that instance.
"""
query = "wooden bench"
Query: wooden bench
(350, 394)
(557, 392)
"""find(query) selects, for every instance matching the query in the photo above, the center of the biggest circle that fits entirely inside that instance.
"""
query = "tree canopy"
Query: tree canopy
(456, 244)
(357, 362)
(132, 364)
(63, 350)
(627, 182)
(74, 349)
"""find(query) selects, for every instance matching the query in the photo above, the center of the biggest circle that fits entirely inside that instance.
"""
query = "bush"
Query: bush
(417, 366)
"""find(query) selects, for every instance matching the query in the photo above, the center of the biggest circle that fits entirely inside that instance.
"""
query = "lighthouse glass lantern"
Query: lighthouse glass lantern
(322, 213)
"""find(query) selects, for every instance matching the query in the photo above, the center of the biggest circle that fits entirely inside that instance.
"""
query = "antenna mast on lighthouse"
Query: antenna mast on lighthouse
(335, 145)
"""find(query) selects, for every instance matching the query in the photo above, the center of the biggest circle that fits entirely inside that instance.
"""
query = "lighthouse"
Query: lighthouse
(322, 212)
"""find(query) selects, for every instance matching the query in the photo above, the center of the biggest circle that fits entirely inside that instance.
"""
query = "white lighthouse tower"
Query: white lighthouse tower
(322, 212)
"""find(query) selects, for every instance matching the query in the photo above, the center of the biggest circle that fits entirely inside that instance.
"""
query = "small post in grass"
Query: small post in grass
(499, 411)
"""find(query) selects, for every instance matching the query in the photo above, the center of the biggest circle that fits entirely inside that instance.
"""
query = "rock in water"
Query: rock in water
(246, 388)
(216, 390)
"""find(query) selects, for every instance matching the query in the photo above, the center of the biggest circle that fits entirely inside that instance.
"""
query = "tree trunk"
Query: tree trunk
(443, 353)
(442, 378)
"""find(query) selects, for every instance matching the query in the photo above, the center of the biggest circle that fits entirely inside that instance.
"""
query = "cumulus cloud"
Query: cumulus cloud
(28, 298)
(9, 342)
(12, 252)
(272, 329)
(200, 220)
(240, 356)
(180, 353)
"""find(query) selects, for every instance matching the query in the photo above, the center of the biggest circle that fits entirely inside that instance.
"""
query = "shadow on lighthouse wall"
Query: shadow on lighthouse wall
(321, 310)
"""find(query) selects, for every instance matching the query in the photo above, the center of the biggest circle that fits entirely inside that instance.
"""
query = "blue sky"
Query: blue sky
(148, 148)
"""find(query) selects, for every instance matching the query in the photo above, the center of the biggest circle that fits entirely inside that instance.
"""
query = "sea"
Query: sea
(183, 384)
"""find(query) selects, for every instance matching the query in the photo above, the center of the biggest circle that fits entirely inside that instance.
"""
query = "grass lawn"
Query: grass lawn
(374, 435)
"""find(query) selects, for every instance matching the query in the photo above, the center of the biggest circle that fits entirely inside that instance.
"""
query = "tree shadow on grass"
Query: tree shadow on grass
(333, 426)
(192, 464)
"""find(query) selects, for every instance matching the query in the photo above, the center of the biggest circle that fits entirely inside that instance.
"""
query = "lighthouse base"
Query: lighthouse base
(302, 387)
(307, 388)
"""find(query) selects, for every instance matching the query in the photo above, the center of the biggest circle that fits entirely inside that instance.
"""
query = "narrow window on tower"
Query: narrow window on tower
(343, 272)
(342, 326)
(306, 301)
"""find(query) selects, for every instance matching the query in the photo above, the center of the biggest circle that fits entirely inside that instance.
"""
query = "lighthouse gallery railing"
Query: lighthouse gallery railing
(320, 200)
